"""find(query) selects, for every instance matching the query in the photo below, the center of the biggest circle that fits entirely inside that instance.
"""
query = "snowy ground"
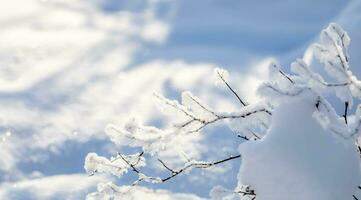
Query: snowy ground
(68, 68)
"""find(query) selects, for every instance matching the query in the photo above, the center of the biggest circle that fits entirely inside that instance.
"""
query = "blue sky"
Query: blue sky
(229, 32)
(67, 69)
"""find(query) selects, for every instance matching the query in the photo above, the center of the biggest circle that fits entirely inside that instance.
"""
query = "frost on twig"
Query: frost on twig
(149, 138)
(192, 117)
(313, 89)
(195, 164)
(116, 165)
(332, 52)
(250, 121)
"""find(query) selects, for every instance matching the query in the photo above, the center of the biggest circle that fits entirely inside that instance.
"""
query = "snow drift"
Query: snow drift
(298, 159)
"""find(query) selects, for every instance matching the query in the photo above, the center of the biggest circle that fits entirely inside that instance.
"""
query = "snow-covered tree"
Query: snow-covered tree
(296, 145)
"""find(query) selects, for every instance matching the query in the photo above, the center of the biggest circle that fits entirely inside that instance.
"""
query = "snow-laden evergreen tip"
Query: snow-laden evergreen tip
(296, 146)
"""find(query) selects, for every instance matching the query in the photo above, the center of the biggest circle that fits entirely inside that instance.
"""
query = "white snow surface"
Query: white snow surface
(298, 159)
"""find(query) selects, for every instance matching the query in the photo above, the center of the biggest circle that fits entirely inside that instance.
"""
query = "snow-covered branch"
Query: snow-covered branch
(309, 151)
(116, 165)
(94, 164)
(195, 164)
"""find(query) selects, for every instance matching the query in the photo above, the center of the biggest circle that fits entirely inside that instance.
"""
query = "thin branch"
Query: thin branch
(179, 107)
(233, 116)
(202, 106)
(128, 163)
(343, 45)
(246, 193)
(316, 78)
(174, 173)
(230, 88)
(345, 134)
(243, 137)
(346, 108)
(197, 123)
(121, 157)
(286, 93)
(254, 134)
(198, 165)
(334, 84)
(165, 166)
(343, 62)
(286, 76)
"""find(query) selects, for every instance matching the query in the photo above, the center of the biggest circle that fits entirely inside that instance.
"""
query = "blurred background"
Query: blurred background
(70, 67)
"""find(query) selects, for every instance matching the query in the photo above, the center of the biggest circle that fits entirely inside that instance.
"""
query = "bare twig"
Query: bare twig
(346, 108)
(165, 166)
(230, 88)
(243, 137)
